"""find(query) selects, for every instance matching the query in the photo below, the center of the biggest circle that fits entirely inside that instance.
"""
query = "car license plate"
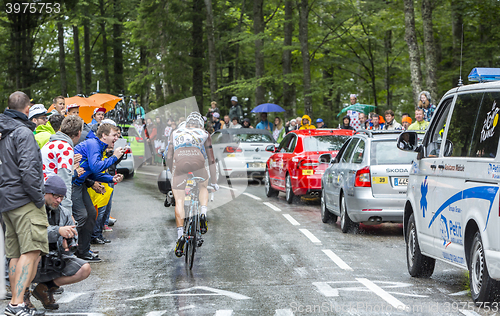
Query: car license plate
(400, 181)
(380, 180)
(256, 165)
(307, 172)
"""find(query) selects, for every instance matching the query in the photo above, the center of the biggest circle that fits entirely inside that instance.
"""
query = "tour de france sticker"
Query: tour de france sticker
(490, 122)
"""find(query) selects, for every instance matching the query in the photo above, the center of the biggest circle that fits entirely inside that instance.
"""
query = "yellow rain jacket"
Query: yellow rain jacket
(307, 126)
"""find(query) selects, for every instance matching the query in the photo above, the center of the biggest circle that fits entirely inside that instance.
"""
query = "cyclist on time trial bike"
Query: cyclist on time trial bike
(189, 147)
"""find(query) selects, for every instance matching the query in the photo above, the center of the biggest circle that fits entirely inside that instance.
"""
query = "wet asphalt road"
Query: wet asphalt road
(261, 256)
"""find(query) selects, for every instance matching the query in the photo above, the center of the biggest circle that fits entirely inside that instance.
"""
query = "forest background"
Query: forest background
(305, 55)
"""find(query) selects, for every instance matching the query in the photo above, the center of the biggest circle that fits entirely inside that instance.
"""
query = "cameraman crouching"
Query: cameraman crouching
(60, 266)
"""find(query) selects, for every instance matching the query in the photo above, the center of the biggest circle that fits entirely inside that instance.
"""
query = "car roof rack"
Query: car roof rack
(370, 132)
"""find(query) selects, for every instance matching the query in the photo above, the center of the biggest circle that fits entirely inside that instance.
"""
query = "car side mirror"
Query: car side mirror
(407, 141)
(325, 158)
(271, 148)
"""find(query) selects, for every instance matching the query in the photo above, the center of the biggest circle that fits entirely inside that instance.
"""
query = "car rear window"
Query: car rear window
(387, 153)
(253, 138)
(324, 143)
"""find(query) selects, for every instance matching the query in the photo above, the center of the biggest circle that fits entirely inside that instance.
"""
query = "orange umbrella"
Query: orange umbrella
(87, 107)
(107, 101)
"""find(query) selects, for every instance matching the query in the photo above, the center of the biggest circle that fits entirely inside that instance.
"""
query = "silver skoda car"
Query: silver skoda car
(366, 182)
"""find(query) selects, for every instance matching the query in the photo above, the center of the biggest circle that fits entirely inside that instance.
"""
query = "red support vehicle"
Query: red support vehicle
(294, 167)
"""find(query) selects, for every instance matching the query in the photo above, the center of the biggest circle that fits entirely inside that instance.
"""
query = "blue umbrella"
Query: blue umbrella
(268, 107)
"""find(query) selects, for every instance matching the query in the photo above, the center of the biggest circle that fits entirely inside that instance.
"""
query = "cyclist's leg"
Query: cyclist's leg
(179, 180)
(179, 196)
(203, 193)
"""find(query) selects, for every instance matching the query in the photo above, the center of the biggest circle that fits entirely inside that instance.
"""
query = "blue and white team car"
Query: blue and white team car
(452, 210)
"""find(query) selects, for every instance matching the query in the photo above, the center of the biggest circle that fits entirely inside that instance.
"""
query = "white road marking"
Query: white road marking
(277, 209)
(213, 291)
(325, 289)
(291, 219)
(224, 312)
(337, 259)
(156, 313)
(68, 297)
(228, 188)
(310, 236)
(468, 313)
(147, 173)
(460, 293)
(253, 196)
(283, 312)
(382, 294)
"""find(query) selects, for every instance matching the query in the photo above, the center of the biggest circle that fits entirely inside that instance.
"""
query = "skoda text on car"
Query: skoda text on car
(294, 168)
(241, 152)
(452, 210)
(366, 182)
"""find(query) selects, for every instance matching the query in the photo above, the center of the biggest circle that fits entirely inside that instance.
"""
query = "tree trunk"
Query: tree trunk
(160, 100)
(62, 59)
(304, 45)
(78, 66)
(198, 50)
(118, 82)
(212, 55)
(411, 41)
(86, 56)
(388, 50)
(430, 48)
(328, 98)
(288, 88)
(457, 21)
(144, 65)
(258, 29)
(107, 84)
(235, 71)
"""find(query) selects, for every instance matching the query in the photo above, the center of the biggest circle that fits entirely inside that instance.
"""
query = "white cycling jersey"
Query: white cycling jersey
(190, 137)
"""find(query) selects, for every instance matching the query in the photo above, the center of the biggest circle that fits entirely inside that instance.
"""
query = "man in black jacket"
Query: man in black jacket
(21, 198)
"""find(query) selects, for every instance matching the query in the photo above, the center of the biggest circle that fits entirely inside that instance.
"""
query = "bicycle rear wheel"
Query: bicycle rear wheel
(192, 242)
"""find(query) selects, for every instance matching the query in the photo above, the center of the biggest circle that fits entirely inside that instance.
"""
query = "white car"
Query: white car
(126, 166)
(452, 205)
(241, 152)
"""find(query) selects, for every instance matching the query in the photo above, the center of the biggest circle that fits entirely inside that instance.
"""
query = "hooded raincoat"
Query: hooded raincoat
(21, 174)
(43, 133)
(307, 126)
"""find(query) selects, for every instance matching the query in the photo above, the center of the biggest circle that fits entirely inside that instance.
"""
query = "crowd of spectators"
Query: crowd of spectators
(55, 171)
(354, 120)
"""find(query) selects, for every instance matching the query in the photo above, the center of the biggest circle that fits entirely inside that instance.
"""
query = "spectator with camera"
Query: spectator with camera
(60, 266)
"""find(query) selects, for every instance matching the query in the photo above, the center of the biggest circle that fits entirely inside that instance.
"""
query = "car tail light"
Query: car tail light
(232, 150)
(307, 164)
(128, 151)
(363, 178)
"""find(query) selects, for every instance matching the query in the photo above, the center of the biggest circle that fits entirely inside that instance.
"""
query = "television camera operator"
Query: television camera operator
(60, 266)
